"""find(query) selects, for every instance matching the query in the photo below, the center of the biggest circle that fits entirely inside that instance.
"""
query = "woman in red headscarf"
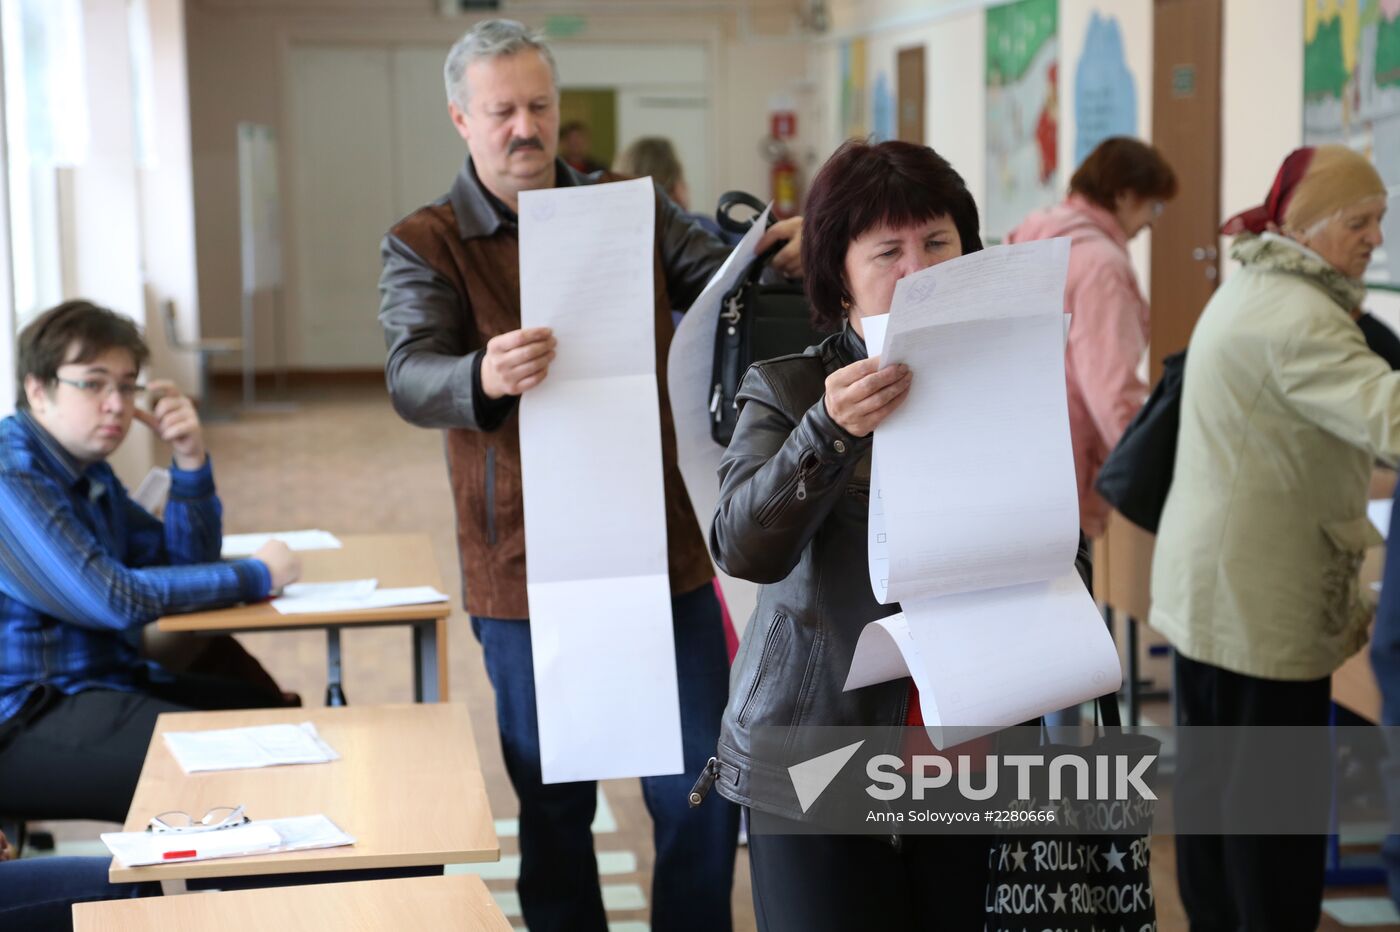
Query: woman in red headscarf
(1254, 580)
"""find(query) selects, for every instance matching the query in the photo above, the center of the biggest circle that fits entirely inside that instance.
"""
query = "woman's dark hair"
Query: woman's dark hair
(864, 185)
(74, 331)
(1123, 164)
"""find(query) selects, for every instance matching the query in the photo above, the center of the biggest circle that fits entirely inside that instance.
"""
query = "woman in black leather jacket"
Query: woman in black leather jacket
(793, 512)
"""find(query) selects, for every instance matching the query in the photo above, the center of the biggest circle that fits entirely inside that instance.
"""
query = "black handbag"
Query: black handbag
(1137, 474)
(758, 320)
(1096, 874)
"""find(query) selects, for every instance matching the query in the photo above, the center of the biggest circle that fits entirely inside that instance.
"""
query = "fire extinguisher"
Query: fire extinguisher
(784, 184)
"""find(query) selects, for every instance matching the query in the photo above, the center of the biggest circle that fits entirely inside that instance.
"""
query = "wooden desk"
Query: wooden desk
(395, 560)
(408, 788)
(1127, 550)
(414, 904)
(1122, 584)
(1354, 684)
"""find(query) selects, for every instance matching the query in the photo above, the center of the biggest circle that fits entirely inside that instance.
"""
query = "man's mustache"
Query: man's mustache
(532, 142)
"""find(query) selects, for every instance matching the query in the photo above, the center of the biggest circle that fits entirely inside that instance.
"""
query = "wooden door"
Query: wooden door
(910, 94)
(1186, 129)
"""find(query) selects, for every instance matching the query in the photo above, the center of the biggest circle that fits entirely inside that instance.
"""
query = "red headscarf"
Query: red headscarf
(1269, 215)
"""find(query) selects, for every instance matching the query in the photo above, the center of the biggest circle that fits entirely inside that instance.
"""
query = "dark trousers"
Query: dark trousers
(37, 895)
(694, 869)
(832, 883)
(79, 756)
(1241, 882)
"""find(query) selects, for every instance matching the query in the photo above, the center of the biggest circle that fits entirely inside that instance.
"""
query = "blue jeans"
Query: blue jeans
(38, 893)
(694, 867)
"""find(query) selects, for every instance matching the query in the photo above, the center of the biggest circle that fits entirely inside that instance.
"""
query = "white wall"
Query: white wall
(101, 219)
(241, 51)
(1262, 107)
(8, 323)
(167, 200)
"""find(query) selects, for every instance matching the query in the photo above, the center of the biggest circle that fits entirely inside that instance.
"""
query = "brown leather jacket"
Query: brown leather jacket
(451, 281)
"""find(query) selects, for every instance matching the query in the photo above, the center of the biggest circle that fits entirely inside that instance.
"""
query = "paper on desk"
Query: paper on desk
(322, 597)
(135, 849)
(596, 565)
(350, 596)
(689, 373)
(973, 504)
(242, 545)
(267, 836)
(255, 746)
(1378, 510)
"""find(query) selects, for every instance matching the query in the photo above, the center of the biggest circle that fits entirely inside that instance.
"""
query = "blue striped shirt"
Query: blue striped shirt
(83, 568)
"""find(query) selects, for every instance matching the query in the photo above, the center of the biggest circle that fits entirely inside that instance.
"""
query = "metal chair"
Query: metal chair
(207, 347)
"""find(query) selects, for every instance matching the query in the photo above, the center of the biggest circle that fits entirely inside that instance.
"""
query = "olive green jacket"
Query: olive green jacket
(1283, 411)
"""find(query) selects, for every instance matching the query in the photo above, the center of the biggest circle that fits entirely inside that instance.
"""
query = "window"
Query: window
(46, 125)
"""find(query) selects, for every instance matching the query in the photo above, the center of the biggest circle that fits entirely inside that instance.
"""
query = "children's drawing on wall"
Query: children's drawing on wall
(1351, 95)
(883, 108)
(1105, 95)
(854, 119)
(1022, 111)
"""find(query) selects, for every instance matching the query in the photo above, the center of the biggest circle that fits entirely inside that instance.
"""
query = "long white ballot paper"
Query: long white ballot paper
(595, 508)
(974, 509)
(689, 370)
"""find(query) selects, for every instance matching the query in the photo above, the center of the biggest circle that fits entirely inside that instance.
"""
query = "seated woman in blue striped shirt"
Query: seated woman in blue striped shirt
(83, 569)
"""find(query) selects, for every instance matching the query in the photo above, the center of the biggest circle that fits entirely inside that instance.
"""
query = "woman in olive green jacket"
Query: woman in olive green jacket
(1254, 581)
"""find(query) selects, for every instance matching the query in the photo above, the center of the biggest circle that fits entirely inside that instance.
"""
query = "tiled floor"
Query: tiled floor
(345, 462)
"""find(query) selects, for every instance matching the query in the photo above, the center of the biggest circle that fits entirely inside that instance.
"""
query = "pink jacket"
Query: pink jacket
(1107, 337)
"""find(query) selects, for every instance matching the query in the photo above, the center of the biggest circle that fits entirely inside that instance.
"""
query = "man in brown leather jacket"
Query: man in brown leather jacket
(458, 360)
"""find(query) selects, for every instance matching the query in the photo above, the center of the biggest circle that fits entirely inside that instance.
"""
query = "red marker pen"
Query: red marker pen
(172, 855)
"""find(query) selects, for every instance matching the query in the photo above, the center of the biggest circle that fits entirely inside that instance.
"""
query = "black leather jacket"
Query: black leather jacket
(793, 513)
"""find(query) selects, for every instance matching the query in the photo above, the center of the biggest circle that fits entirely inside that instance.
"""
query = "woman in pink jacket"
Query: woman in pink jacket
(1119, 190)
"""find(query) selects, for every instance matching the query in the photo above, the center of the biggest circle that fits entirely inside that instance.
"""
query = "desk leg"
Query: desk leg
(444, 679)
(425, 661)
(173, 888)
(335, 695)
(1134, 699)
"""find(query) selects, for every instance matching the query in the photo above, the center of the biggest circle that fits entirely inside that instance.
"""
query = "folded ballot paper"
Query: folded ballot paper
(138, 849)
(350, 595)
(974, 512)
(241, 748)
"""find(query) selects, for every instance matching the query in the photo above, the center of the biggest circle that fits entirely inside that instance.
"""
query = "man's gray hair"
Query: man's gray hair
(490, 39)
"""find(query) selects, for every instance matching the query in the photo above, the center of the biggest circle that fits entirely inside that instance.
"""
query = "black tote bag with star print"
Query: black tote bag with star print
(1095, 874)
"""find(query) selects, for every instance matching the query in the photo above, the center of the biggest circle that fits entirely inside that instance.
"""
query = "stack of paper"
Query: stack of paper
(243, 545)
(256, 746)
(973, 504)
(137, 849)
(349, 596)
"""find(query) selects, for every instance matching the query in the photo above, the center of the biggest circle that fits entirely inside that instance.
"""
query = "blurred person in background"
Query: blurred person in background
(1114, 195)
